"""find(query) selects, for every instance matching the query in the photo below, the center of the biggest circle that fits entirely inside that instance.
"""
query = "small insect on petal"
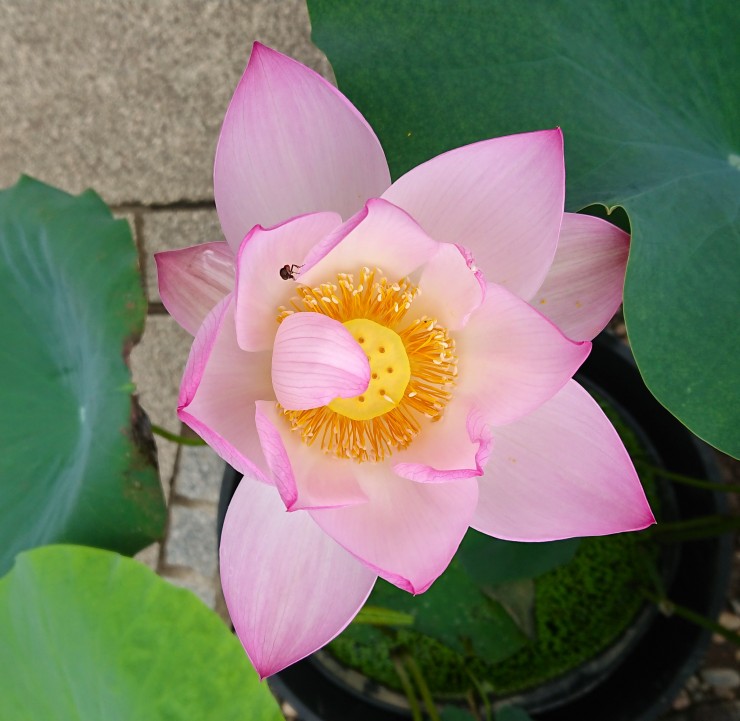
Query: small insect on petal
(287, 272)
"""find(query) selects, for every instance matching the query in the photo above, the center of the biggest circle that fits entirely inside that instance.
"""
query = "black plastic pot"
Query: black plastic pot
(640, 685)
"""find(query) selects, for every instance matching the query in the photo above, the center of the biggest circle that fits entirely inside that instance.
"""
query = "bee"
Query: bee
(287, 272)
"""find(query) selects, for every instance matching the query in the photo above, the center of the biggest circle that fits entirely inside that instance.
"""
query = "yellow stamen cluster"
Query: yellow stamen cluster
(431, 360)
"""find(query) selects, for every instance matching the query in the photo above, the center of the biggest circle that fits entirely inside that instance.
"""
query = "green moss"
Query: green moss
(580, 610)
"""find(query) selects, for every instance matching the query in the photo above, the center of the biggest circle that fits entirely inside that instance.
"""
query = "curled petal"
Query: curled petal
(452, 288)
(315, 360)
(407, 532)
(260, 287)
(456, 446)
(192, 280)
(275, 455)
(328, 243)
(304, 477)
(380, 236)
(583, 289)
(501, 198)
(512, 359)
(560, 472)
(219, 387)
(289, 588)
(290, 144)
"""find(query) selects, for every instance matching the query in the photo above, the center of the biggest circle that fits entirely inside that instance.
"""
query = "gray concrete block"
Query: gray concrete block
(203, 588)
(128, 97)
(157, 364)
(149, 556)
(173, 229)
(191, 539)
(199, 474)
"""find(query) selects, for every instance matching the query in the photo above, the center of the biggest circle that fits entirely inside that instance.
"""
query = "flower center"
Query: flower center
(412, 367)
(390, 371)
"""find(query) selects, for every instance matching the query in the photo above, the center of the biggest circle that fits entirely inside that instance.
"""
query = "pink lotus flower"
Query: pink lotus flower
(388, 364)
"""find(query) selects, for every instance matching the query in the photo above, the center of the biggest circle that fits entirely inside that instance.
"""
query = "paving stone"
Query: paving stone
(199, 474)
(127, 97)
(172, 229)
(157, 363)
(191, 540)
(721, 677)
(730, 621)
(682, 701)
(289, 712)
(204, 588)
(149, 556)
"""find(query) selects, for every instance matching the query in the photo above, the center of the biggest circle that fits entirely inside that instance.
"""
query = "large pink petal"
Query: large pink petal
(304, 476)
(289, 588)
(192, 280)
(407, 532)
(561, 471)
(315, 360)
(260, 288)
(451, 287)
(290, 144)
(502, 198)
(456, 446)
(583, 289)
(381, 236)
(218, 390)
(511, 359)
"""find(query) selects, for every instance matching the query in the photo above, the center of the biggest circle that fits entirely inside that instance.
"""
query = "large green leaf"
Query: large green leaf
(647, 96)
(491, 561)
(456, 612)
(72, 466)
(518, 599)
(89, 635)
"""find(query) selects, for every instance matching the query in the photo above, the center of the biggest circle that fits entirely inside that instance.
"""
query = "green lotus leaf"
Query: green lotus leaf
(646, 95)
(90, 635)
(456, 612)
(491, 561)
(74, 466)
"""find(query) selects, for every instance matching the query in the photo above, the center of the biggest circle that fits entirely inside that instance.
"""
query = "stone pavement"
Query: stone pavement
(127, 97)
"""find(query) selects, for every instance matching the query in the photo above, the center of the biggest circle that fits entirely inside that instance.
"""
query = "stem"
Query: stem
(378, 616)
(651, 571)
(408, 688)
(670, 608)
(688, 480)
(481, 694)
(421, 684)
(182, 440)
(694, 528)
